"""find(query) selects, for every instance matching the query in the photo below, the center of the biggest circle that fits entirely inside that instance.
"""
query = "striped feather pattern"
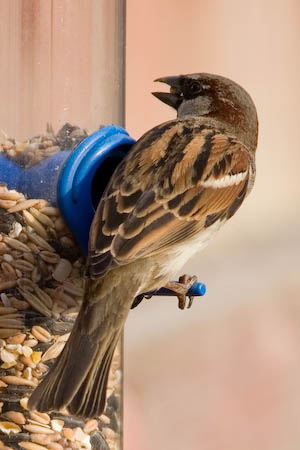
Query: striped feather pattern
(177, 179)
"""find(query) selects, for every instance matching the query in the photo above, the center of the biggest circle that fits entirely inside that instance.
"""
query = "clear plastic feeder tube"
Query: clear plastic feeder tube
(62, 61)
(62, 77)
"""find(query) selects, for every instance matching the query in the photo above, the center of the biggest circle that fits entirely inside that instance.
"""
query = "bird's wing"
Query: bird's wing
(179, 178)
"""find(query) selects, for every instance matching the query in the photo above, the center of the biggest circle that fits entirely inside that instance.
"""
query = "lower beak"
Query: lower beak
(172, 98)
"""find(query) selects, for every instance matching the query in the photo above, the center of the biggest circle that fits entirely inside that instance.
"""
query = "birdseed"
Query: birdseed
(41, 290)
(41, 334)
(16, 417)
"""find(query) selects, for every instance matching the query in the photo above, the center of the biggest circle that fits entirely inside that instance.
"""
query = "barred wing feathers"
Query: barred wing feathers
(176, 180)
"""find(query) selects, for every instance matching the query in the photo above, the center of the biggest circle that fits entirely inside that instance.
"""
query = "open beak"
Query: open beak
(174, 97)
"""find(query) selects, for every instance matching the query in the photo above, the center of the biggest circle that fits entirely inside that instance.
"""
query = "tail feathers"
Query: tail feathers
(78, 380)
(79, 377)
(90, 399)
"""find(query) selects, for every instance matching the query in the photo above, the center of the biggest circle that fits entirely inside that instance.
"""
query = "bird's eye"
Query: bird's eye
(193, 88)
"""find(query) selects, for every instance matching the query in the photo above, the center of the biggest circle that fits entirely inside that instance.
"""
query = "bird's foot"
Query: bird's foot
(181, 287)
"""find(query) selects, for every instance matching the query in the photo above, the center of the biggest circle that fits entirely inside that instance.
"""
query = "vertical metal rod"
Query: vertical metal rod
(120, 113)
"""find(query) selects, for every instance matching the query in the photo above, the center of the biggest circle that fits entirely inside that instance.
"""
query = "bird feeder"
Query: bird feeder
(62, 88)
(63, 80)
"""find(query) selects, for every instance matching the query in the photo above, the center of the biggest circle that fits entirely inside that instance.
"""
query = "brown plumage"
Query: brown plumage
(176, 187)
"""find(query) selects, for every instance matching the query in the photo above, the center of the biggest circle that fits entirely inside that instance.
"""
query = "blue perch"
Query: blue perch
(196, 290)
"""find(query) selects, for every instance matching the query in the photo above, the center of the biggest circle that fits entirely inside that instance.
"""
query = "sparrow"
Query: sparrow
(176, 187)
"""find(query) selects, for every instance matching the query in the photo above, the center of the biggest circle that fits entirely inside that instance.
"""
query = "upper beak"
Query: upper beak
(172, 98)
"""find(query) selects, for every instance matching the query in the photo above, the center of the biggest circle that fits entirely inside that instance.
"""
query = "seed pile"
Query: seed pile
(41, 289)
(30, 152)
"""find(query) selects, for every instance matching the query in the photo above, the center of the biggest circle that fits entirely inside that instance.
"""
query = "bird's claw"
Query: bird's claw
(181, 288)
(138, 299)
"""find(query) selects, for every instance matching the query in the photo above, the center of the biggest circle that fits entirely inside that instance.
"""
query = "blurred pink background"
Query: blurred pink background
(225, 374)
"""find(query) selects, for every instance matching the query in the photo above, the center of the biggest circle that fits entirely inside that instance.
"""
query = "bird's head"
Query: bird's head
(211, 96)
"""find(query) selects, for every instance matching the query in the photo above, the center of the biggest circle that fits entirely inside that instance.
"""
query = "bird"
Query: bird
(170, 195)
